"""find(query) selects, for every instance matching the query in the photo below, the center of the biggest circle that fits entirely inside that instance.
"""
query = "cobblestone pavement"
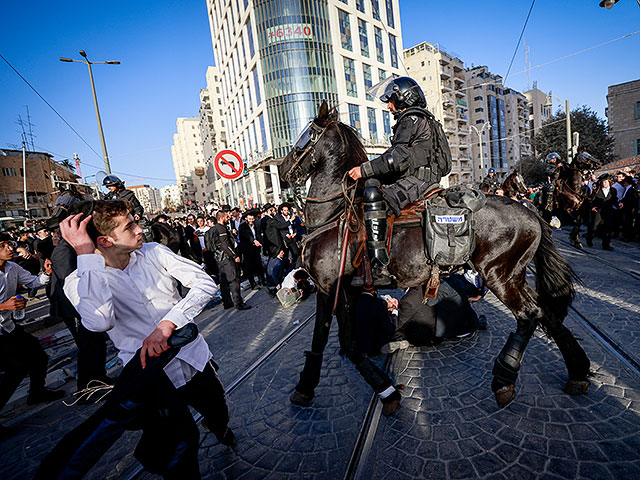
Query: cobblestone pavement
(448, 425)
(607, 297)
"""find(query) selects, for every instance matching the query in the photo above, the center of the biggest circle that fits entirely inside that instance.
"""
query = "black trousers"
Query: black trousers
(92, 352)
(205, 393)
(229, 282)
(20, 355)
(252, 266)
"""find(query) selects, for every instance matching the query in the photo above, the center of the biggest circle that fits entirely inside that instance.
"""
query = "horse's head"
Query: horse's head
(325, 143)
(518, 183)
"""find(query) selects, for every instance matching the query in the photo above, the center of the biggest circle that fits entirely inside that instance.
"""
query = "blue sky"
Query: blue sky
(165, 47)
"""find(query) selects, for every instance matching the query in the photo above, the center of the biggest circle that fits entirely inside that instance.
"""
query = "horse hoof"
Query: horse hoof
(505, 395)
(301, 399)
(576, 387)
(578, 245)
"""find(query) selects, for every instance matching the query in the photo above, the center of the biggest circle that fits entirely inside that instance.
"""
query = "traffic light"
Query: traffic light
(245, 171)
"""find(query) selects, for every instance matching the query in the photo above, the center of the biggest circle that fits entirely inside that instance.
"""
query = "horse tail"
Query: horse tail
(554, 277)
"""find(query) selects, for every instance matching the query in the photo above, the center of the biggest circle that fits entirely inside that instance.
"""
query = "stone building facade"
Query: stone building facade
(623, 112)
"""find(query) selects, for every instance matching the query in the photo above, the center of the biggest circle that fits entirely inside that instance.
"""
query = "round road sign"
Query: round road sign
(228, 164)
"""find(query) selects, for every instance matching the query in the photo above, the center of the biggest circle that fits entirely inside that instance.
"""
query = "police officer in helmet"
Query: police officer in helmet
(408, 162)
(118, 192)
(491, 180)
(553, 169)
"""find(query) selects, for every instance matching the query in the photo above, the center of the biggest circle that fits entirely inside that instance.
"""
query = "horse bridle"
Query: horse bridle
(301, 150)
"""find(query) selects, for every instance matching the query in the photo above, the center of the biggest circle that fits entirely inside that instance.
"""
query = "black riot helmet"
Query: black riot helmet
(112, 181)
(553, 157)
(404, 92)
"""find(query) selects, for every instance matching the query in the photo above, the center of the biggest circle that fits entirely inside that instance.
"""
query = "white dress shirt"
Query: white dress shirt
(129, 304)
(13, 275)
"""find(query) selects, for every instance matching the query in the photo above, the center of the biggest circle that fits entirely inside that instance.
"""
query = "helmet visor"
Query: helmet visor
(304, 138)
(383, 89)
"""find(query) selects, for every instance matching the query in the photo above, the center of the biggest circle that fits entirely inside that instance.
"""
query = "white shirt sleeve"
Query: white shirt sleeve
(31, 281)
(88, 291)
(201, 286)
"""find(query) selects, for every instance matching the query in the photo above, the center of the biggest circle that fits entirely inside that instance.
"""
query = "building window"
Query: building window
(350, 77)
(393, 51)
(390, 21)
(360, 5)
(364, 40)
(373, 127)
(381, 74)
(637, 110)
(9, 172)
(477, 98)
(386, 123)
(345, 29)
(256, 83)
(637, 147)
(478, 110)
(368, 80)
(375, 9)
(263, 132)
(346, 2)
(379, 49)
(250, 39)
(354, 116)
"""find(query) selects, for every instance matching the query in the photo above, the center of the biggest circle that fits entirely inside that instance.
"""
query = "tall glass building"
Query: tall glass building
(278, 59)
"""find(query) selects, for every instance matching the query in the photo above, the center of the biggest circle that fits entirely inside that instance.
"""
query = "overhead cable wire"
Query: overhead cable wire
(519, 40)
(50, 106)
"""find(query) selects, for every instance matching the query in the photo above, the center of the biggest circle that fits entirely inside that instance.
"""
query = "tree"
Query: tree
(66, 163)
(552, 137)
(532, 170)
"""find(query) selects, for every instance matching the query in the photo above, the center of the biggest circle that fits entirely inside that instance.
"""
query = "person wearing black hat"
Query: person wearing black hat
(118, 192)
(249, 248)
(603, 205)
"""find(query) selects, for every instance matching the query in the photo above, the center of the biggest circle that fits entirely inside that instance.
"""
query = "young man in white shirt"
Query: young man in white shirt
(129, 290)
(20, 352)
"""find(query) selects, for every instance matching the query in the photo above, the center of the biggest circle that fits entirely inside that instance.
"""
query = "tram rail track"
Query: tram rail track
(139, 470)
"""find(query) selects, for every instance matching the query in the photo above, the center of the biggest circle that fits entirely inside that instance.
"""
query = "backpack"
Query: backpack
(439, 148)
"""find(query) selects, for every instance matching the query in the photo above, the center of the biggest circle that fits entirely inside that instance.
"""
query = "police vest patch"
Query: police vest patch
(449, 218)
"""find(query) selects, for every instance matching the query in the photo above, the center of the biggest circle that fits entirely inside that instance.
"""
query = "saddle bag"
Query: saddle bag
(448, 225)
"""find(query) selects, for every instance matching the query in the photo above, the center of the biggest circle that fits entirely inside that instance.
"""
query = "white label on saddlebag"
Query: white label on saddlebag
(449, 218)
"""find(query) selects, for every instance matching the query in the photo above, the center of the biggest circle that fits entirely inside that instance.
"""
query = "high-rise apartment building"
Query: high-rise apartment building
(500, 116)
(540, 108)
(149, 198)
(188, 160)
(278, 59)
(441, 77)
(171, 196)
(623, 112)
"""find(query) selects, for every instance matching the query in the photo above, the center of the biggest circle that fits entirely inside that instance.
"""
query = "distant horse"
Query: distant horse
(508, 237)
(569, 197)
(514, 184)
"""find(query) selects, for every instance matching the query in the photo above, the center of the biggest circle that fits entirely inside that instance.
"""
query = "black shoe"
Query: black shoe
(243, 306)
(227, 306)
(44, 396)
(226, 438)
(607, 247)
(481, 323)
(589, 242)
(301, 399)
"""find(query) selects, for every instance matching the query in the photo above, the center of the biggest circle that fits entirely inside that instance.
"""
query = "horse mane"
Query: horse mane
(354, 147)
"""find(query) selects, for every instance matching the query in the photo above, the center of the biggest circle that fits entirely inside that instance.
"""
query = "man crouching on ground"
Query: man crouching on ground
(129, 290)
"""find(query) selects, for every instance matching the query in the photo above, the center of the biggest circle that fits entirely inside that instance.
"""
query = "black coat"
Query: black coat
(247, 238)
(606, 206)
(64, 260)
(222, 240)
(273, 238)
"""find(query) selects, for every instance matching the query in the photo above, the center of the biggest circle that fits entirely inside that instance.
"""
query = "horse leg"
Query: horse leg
(574, 236)
(520, 298)
(575, 358)
(372, 374)
(310, 375)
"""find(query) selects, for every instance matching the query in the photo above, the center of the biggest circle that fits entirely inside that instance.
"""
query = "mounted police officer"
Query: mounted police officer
(118, 192)
(491, 180)
(409, 168)
(553, 169)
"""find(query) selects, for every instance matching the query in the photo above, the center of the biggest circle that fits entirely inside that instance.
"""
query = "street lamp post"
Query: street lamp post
(568, 124)
(479, 134)
(95, 100)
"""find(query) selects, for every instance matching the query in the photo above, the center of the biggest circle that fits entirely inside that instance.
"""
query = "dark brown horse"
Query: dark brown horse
(508, 238)
(514, 184)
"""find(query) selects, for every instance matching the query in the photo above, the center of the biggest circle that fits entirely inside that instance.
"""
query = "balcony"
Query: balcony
(444, 73)
(446, 87)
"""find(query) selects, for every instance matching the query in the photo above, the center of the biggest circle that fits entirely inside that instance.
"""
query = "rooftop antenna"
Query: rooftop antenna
(30, 125)
(27, 136)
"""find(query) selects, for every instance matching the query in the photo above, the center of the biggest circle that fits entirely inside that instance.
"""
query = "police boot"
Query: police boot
(375, 220)
(549, 206)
